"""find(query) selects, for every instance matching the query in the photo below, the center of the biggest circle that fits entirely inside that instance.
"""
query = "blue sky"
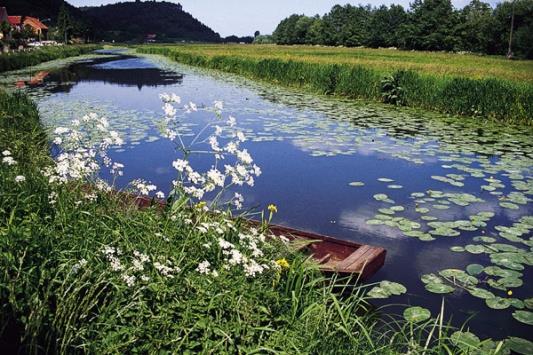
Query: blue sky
(244, 17)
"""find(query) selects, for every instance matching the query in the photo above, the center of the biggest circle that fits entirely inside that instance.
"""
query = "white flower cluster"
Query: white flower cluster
(143, 187)
(7, 158)
(239, 169)
(132, 268)
(84, 149)
(245, 254)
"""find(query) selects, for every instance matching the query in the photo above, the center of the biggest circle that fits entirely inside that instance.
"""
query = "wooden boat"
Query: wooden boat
(333, 255)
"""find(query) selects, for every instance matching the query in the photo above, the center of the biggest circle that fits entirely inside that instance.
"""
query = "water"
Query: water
(311, 148)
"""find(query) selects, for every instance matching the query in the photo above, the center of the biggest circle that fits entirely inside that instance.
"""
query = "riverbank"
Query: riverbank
(19, 60)
(82, 271)
(416, 80)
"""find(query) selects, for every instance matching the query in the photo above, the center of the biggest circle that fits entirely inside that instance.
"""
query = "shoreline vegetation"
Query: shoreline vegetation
(85, 272)
(20, 60)
(448, 83)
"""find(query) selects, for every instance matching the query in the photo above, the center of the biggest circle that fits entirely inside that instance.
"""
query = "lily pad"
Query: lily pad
(524, 317)
(474, 269)
(519, 345)
(439, 288)
(465, 340)
(357, 184)
(480, 293)
(498, 303)
(416, 314)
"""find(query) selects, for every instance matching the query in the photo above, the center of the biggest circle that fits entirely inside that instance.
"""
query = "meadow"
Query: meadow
(483, 86)
(85, 271)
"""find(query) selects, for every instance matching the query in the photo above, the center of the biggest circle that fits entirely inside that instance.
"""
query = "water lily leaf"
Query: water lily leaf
(395, 187)
(498, 271)
(509, 205)
(397, 208)
(505, 282)
(474, 269)
(475, 248)
(357, 184)
(378, 292)
(480, 293)
(457, 249)
(439, 288)
(393, 288)
(416, 314)
(465, 340)
(385, 179)
(519, 345)
(529, 303)
(524, 317)
(380, 197)
(498, 303)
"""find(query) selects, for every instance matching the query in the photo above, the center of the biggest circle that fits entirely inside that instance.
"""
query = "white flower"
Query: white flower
(244, 156)
(9, 160)
(180, 165)
(20, 178)
(129, 279)
(160, 195)
(240, 136)
(170, 111)
(6, 153)
(231, 121)
(204, 267)
(216, 177)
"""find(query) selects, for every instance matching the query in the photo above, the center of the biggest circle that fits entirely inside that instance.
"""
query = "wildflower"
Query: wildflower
(203, 267)
(9, 160)
(509, 293)
(231, 121)
(20, 178)
(273, 208)
(283, 263)
(129, 279)
(180, 165)
(6, 153)
(160, 195)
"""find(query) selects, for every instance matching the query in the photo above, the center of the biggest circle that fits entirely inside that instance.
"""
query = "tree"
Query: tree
(256, 34)
(476, 27)
(385, 24)
(64, 23)
(434, 22)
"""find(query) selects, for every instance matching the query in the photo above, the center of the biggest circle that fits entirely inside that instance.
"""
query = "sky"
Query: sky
(244, 17)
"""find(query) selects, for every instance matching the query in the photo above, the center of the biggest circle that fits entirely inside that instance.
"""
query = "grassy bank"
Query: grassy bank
(84, 272)
(487, 87)
(19, 60)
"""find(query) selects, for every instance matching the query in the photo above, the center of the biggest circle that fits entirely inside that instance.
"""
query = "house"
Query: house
(18, 23)
(38, 28)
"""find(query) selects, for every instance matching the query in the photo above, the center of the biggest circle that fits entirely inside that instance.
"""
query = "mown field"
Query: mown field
(483, 86)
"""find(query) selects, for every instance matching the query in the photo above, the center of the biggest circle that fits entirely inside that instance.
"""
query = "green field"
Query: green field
(382, 60)
(483, 86)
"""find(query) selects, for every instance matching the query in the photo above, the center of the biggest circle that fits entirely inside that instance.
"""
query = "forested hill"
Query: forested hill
(127, 21)
(42, 9)
(425, 25)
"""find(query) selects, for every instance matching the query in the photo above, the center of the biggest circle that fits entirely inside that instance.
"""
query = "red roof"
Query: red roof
(15, 20)
(34, 22)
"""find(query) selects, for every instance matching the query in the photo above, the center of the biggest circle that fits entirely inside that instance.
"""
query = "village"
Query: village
(20, 32)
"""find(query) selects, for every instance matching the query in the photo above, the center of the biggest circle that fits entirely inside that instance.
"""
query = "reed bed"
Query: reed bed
(490, 88)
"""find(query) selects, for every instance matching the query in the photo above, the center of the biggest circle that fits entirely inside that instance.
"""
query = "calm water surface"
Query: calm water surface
(311, 148)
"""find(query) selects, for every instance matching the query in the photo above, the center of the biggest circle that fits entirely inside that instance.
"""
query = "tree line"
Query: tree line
(433, 25)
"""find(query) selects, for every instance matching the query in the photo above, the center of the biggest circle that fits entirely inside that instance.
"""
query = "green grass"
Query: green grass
(52, 303)
(19, 60)
(482, 86)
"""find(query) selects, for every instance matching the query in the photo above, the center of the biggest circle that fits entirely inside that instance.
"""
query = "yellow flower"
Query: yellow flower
(283, 263)
(201, 205)
(509, 293)
(273, 208)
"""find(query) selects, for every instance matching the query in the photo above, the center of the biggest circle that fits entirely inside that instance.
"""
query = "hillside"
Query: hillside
(127, 21)
(42, 9)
